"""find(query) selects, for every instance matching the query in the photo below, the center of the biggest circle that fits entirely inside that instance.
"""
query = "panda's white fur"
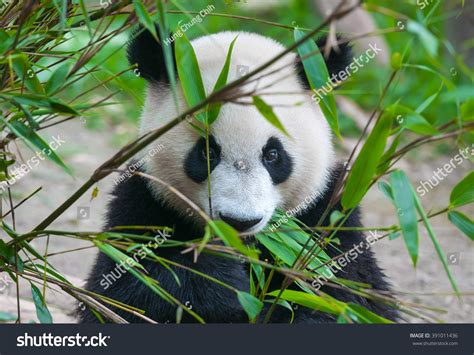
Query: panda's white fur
(242, 131)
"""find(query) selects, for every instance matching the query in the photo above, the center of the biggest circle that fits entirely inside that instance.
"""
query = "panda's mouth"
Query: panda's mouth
(241, 224)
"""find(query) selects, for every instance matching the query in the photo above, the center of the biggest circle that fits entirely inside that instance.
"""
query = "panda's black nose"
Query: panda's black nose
(240, 224)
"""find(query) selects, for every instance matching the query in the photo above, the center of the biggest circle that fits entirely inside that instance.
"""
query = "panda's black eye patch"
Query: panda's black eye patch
(195, 164)
(271, 156)
(212, 153)
(276, 160)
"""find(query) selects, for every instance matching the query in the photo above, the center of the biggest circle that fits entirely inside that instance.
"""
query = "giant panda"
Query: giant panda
(255, 169)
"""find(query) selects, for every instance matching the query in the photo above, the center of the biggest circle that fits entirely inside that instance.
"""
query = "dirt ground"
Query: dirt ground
(84, 150)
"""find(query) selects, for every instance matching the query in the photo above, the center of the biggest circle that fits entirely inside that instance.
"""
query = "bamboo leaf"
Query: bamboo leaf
(467, 111)
(167, 50)
(57, 79)
(32, 139)
(189, 74)
(428, 40)
(318, 76)
(231, 238)
(463, 192)
(205, 239)
(315, 302)
(363, 315)
(406, 212)
(463, 222)
(27, 75)
(428, 101)
(268, 113)
(54, 105)
(5, 317)
(385, 159)
(366, 163)
(251, 305)
(434, 240)
(42, 310)
(412, 120)
(124, 259)
(144, 17)
(9, 254)
(213, 111)
(386, 190)
(335, 217)
(149, 282)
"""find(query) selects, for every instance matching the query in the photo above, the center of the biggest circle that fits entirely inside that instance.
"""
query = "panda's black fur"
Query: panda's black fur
(132, 203)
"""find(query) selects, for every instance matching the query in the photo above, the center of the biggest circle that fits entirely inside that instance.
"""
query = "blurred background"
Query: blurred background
(446, 44)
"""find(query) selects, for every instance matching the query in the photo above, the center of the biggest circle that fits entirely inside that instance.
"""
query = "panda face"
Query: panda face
(255, 168)
(248, 163)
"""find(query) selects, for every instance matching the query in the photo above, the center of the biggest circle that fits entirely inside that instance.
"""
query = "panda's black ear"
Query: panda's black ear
(338, 59)
(144, 50)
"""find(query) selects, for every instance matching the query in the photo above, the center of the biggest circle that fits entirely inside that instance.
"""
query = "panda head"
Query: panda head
(255, 168)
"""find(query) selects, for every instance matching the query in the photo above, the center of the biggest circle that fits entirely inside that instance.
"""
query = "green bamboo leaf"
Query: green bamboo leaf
(86, 17)
(33, 140)
(5, 317)
(406, 211)
(9, 254)
(277, 248)
(189, 74)
(205, 239)
(385, 159)
(167, 50)
(27, 75)
(467, 111)
(364, 316)
(434, 240)
(213, 111)
(42, 310)
(411, 120)
(50, 270)
(61, 7)
(318, 76)
(6, 41)
(259, 274)
(54, 105)
(149, 282)
(57, 79)
(459, 93)
(463, 192)
(463, 222)
(127, 261)
(366, 163)
(28, 99)
(428, 101)
(5, 250)
(231, 238)
(335, 217)
(251, 305)
(29, 117)
(317, 303)
(393, 235)
(144, 17)
(287, 245)
(60, 107)
(386, 189)
(268, 113)
(428, 40)
(418, 124)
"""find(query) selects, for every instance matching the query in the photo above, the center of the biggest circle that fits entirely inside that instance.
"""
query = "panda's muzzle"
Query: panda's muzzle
(240, 224)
